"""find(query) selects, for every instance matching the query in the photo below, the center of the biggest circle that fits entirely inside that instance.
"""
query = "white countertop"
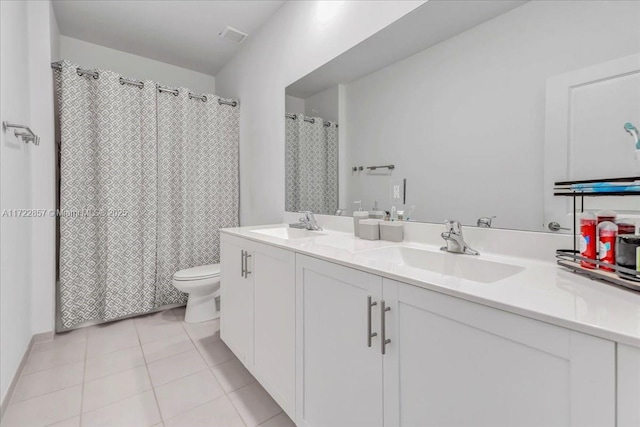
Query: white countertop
(543, 291)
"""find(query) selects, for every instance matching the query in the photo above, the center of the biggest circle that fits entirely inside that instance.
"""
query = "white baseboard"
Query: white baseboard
(41, 337)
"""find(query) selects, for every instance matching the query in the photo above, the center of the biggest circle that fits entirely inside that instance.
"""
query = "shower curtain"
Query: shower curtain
(311, 156)
(197, 184)
(144, 183)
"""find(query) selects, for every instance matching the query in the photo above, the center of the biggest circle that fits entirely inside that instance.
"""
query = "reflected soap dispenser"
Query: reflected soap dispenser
(376, 213)
(357, 216)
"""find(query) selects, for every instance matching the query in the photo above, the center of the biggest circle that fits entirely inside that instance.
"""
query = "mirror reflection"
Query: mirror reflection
(470, 110)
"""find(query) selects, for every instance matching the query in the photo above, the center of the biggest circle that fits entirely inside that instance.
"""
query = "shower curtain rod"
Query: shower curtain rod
(140, 84)
(306, 119)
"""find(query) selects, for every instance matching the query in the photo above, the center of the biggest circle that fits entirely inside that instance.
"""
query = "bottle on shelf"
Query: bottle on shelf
(588, 238)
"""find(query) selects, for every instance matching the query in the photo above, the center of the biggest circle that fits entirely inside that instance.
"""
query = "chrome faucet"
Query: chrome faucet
(309, 221)
(455, 241)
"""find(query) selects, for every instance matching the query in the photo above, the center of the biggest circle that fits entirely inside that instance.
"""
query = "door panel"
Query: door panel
(274, 323)
(586, 110)
(455, 363)
(339, 376)
(236, 300)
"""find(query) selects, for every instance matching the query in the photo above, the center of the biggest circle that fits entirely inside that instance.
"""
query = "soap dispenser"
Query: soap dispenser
(376, 213)
(357, 216)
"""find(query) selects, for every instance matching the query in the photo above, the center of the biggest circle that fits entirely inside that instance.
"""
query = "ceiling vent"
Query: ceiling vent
(233, 35)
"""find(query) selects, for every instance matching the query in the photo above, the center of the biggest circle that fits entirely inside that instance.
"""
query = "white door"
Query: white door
(274, 275)
(339, 376)
(451, 362)
(236, 298)
(586, 110)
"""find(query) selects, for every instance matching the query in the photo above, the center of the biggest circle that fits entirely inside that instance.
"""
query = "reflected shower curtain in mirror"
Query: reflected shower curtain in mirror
(146, 181)
(107, 196)
(197, 184)
(311, 156)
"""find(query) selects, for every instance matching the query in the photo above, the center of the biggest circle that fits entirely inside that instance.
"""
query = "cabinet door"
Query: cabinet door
(628, 386)
(236, 299)
(339, 378)
(455, 363)
(274, 274)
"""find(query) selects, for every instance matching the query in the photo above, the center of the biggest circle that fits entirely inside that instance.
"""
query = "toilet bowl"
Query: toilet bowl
(203, 286)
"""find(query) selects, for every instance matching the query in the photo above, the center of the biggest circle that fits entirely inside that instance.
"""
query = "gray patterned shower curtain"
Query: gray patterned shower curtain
(146, 180)
(311, 156)
(197, 184)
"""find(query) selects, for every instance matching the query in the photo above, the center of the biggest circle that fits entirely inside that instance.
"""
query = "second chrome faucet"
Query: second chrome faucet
(455, 241)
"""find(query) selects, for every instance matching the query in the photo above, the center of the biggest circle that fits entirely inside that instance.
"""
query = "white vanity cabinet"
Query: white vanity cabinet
(258, 313)
(311, 331)
(452, 362)
(448, 362)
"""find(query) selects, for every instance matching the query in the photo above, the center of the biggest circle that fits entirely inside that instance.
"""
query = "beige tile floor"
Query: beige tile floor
(154, 370)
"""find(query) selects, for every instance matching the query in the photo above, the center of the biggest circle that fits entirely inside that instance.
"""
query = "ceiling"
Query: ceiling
(181, 33)
(426, 26)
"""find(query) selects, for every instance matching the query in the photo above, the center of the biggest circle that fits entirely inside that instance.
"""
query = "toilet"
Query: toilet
(203, 286)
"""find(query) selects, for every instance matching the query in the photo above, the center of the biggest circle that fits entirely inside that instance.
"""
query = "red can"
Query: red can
(606, 216)
(626, 226)
(607, 232)
(588, 238)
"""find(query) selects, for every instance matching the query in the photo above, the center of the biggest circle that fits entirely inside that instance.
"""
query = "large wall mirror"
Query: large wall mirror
(471, 109)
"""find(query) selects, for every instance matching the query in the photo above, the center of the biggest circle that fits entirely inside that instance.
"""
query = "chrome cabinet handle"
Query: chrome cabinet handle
(246, 264)
(242, 263)
(369, 334)
(383, 333)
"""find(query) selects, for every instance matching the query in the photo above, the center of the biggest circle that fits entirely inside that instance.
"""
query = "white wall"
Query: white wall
(89, 55)
(294, 105)
(466, 126)
(299, 38)
(27, 245)
(54, 34)
(323, 104)
(15, 181)
(42, 45)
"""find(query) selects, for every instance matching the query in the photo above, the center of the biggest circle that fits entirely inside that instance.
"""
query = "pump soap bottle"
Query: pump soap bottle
(357, 216)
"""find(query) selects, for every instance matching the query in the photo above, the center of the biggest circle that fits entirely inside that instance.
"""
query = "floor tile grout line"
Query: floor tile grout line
(56, 422)
(210, 368)
(165, 357)
(269, 419)
(207, 402)
(43, 395)
(49, 392)
(23, 373)
(235, 389)
(111, 352)
(153, 388)
(203, 403)
(238, 411)
(230, 401)
(52, 367)
(216, 377)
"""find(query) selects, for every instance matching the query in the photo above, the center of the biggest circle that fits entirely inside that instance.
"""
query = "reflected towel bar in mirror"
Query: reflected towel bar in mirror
(390, 167)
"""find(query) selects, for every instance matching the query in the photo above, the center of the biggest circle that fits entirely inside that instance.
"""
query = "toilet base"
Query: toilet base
(201, 308)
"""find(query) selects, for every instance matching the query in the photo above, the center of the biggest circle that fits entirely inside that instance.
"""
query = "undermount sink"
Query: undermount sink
(288, 233)
(462, 266)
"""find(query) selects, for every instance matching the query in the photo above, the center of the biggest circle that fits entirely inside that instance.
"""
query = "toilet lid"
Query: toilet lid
(200, 272)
